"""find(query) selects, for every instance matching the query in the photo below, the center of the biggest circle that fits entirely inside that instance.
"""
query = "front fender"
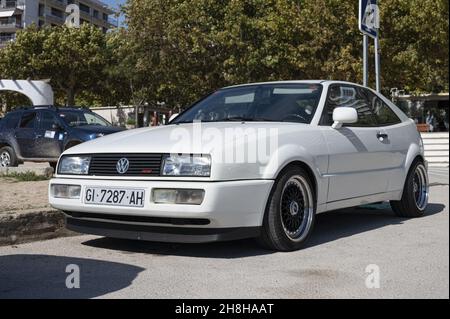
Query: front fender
(292, 153)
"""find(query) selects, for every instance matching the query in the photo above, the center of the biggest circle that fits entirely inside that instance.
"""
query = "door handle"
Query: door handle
(382, 136)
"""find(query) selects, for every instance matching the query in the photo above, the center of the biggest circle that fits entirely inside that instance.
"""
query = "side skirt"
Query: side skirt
(357, 201)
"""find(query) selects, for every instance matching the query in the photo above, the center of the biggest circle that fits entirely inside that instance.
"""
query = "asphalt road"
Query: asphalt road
(412, 257)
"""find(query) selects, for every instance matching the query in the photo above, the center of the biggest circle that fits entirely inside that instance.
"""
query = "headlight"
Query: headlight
(187, 165)
(74, 165)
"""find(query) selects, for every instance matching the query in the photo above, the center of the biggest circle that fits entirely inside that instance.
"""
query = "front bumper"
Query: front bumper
(230, 210)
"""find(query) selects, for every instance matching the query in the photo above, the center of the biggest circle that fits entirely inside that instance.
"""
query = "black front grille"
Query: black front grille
(140, 164)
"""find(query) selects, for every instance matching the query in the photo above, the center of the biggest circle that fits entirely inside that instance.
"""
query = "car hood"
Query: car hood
(228, 143)
(204, 138)
(98, 129)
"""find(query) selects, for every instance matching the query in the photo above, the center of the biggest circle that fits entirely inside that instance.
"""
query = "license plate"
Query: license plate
(114, 196)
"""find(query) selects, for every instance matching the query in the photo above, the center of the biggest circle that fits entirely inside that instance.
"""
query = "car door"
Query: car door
(397, 133)
(26, 134)
(359, 155)
(48, 136)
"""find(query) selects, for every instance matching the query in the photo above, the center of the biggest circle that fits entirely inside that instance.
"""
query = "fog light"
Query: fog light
(65, 191)
(178, 196)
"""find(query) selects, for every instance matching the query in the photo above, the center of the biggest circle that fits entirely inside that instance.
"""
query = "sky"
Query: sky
(115, 4)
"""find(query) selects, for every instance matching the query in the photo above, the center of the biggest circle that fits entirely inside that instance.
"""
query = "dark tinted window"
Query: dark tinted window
(47, 121)
(382, 112)
(10, 121)
(28, 120)
(349, 96)
(82, 118)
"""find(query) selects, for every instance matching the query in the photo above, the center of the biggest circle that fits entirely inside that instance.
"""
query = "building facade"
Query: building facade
(17, 14)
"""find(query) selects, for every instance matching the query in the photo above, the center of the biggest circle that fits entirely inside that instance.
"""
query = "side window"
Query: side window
(10, 121)
(47, 121)
(348, 96)
(382, 112)
(28, 120)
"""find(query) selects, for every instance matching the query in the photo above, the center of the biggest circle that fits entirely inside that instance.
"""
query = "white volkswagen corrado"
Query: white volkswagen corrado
(332, 145)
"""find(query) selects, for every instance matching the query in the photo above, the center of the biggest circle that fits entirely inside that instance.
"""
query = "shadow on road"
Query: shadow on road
(224, 250)
(329, 227)
(43, 276)
(335, 225)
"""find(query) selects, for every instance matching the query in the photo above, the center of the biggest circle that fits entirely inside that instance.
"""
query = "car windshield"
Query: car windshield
(82, 118)
(266, 102)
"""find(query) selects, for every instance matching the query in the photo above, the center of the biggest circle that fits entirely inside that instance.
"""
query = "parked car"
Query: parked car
(41, 134)
(337, 145)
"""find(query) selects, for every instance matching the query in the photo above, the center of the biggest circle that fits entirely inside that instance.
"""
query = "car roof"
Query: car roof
(293, 82)
(50, 108)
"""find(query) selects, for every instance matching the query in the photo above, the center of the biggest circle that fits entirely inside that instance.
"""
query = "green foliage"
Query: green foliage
(414, 41)
(73, 59)
(26, 177)
(184, 49)
(175, 51)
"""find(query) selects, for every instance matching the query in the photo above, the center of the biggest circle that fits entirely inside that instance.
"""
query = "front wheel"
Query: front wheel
(8, 157)
(290, 214)
(415, 193)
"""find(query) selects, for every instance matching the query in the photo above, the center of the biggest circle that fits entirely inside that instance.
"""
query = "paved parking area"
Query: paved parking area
(438, 175)
(412, 257)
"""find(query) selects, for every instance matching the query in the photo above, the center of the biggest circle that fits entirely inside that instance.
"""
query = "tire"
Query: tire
(415, 193)
(290, 213)
(8, 157)
(53, 165)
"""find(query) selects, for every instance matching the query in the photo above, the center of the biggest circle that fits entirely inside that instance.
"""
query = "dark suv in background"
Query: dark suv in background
(41, 134)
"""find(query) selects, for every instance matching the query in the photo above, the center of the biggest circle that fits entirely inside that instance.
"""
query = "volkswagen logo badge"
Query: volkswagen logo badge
(122, 165)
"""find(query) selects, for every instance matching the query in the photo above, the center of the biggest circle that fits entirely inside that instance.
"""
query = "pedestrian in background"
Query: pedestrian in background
(430, 120)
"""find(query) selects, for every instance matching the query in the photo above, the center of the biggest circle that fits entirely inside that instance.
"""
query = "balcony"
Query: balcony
(54, 19)
(5, 39)
(60, 4)
(9, 25)
(11, 4)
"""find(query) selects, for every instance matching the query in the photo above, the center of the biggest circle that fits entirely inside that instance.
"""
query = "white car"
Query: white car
(255, 160)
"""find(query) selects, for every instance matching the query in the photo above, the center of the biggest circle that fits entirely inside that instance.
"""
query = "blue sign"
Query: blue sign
(369, 17)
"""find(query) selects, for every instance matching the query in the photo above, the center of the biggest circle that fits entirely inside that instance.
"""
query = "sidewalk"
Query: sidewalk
(25, 214)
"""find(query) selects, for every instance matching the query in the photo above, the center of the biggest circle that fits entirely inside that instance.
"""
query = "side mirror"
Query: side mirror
(344, 115)
(173, 117)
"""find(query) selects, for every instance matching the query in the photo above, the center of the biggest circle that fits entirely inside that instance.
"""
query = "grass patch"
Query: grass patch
(26, 177)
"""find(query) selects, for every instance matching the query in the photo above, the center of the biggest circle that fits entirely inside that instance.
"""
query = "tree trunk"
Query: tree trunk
(136, 116)
(70, 97)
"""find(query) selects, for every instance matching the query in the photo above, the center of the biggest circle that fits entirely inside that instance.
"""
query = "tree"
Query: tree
(74, 59)
(414, 43)
(187, 48)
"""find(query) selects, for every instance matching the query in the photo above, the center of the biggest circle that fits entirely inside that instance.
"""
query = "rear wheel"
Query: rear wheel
(415, 193)
(8, 157)
(290, 214)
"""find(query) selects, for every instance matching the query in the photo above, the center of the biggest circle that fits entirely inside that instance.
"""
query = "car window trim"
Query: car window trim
(399, 121)
(325, 108)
